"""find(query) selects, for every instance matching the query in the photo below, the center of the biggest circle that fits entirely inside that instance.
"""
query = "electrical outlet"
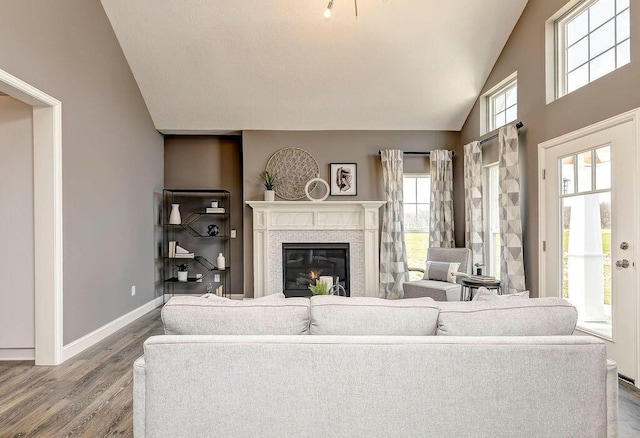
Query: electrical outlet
(233, 234)
(133, 291)
(216, 278)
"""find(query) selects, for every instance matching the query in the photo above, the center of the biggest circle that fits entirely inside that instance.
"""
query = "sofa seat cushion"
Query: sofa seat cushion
(438, 290)
(358, 316)
(212, 315)
(515, 317)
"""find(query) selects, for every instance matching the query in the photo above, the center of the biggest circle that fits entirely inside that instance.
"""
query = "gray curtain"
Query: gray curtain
(441, 215)
(473, 214)
(393, 254)
(512, 269)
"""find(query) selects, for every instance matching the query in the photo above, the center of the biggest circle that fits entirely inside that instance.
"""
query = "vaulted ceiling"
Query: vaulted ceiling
(216, 66)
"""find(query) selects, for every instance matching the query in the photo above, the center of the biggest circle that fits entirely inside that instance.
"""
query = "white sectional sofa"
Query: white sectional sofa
(366, 367)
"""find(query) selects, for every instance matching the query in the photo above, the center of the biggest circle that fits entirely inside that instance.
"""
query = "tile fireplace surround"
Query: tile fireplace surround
(353, 222)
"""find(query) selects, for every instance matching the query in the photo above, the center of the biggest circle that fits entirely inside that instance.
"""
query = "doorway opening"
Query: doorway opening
(47, 209)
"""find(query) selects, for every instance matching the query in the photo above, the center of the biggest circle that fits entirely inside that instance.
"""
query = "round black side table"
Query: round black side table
(468, 284)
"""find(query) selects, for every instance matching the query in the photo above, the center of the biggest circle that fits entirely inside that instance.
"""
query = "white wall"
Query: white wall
(16, 223)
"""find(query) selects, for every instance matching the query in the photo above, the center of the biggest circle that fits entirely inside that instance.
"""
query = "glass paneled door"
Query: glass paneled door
(588, 230)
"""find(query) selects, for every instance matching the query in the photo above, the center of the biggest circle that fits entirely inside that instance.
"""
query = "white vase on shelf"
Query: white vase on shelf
(174, 217)
(221, 262)
(183, 276)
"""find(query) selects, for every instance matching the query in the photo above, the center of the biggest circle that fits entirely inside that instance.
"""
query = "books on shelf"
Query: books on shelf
(215, 210)
(181, 250)
(178, 252)
(477, 278)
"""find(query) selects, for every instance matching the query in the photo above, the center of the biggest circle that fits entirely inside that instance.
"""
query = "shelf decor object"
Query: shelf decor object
(314, 182)
(174, 217)
(269, 181)
(293, 167)
(183, 273)
(344, 179)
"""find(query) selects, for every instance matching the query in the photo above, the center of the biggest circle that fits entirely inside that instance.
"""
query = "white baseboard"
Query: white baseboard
(17, 353)
(79, 345)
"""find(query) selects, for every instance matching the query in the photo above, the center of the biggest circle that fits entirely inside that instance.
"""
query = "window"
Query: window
(503, 105)
(499, 105)
(492, 248)
(417, 196)
(592, 39)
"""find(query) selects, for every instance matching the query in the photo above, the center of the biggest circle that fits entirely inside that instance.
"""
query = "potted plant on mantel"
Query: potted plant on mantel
(183, 272)
(269, 181)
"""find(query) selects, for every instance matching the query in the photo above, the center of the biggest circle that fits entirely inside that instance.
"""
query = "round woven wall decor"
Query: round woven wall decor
(293, 168)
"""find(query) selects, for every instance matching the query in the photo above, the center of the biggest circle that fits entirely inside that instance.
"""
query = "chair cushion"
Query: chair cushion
(514, 317)
(334, 315)
(451, 255)
(438, 290)
(212, 315)
(441, 271)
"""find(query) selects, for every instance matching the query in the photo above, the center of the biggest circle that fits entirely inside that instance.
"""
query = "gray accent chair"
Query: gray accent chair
(441, 290)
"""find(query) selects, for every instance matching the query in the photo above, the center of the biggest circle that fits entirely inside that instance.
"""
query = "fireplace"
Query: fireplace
(351, 221)
(304, 263)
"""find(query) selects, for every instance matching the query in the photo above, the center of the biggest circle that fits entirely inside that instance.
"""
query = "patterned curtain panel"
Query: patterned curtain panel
(393, 253)
(441, 223)
(512, 269)
(473, 216)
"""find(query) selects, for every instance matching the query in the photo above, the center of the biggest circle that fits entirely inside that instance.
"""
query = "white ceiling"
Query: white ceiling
(215, 66)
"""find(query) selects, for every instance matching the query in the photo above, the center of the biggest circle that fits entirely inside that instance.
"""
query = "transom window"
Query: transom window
(593, 39)
(502, 105)
(416, 190)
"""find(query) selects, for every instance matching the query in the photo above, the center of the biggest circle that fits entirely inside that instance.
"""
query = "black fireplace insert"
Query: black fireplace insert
(304, 263)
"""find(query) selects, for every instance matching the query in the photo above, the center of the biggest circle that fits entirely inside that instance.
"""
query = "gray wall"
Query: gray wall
(112, 155)
(16, 220)
(334, 147)
(610, 95)
(207, 162)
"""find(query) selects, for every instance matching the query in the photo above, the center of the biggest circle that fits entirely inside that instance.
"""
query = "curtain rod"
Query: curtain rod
(518, 126)
(453, 154)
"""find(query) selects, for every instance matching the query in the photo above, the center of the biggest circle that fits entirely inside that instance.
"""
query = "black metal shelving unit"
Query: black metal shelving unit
(192, 234)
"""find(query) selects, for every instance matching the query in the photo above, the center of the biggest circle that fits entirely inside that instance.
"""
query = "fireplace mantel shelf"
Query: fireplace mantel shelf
(318, 204)
(272, 218)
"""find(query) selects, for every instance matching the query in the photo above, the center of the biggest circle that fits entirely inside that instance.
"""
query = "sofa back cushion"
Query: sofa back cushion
(515, 317)
(212, 315)
(358, 316)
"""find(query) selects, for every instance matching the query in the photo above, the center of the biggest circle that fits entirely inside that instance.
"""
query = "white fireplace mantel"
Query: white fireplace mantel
(357, 221)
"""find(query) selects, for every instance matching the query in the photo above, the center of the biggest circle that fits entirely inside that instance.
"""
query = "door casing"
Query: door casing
(633, 117)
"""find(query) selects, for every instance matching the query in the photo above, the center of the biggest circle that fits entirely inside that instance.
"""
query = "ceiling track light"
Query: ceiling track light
(327, 12)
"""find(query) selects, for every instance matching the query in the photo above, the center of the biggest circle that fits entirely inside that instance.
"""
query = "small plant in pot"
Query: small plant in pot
(479, 267)
(183, 272)
(269, 181)
(320, 288)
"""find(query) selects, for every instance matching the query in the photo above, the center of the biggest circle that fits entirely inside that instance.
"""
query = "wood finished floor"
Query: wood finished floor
(90, 395)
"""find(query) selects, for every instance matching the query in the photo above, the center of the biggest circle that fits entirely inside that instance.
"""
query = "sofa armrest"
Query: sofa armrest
(612, 399)
(139, 398)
